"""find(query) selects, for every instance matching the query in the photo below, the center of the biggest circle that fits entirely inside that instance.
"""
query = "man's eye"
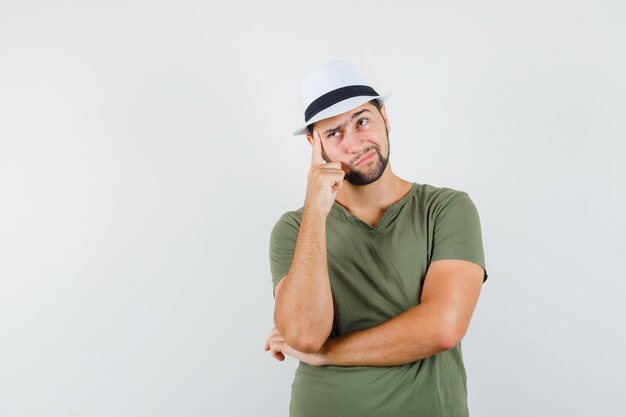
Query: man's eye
(332, 135)
(361, 121)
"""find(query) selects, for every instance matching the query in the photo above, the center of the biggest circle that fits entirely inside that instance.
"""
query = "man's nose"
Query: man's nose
(353, 141)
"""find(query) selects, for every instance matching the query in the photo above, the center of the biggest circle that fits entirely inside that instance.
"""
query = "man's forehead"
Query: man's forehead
(347, 114)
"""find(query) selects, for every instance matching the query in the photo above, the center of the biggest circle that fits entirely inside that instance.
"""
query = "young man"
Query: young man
(375, 278)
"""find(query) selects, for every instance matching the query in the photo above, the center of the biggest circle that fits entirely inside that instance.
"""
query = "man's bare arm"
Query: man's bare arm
(304, 306)
(438, 323)
(303, 310)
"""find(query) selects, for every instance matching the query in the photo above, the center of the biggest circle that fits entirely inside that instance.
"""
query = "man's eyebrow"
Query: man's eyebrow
(354, 116)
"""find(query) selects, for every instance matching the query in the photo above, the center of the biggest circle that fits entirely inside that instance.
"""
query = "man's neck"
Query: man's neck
(373, 197)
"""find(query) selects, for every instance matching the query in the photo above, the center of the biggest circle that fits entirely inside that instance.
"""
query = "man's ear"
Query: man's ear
(383, 111)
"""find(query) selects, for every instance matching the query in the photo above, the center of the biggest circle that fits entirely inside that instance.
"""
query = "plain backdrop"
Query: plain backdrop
(146, 153)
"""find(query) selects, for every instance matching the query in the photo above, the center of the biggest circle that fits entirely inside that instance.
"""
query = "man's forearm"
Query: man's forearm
(304, 308)
(416, 334)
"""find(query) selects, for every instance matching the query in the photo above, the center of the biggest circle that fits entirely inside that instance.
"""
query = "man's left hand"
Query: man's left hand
(278, 347)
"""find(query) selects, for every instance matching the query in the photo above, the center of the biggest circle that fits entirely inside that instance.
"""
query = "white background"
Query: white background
(146, 153)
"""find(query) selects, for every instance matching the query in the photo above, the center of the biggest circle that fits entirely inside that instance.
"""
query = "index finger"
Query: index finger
(316, 156)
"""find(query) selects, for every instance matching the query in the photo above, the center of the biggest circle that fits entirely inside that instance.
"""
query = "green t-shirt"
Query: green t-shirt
(375, 274)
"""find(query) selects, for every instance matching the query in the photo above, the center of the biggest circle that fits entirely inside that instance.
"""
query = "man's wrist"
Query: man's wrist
(313, 214)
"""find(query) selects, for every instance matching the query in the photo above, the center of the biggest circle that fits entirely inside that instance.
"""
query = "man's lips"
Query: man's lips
(365, 157)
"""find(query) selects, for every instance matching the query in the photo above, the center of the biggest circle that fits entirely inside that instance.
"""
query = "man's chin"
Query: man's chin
(358, 179)
(368, 174)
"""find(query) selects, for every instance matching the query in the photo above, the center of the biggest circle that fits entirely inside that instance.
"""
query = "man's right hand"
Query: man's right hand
(324, 180)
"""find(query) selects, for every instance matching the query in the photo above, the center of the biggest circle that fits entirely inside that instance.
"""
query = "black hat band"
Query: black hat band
(335, 96)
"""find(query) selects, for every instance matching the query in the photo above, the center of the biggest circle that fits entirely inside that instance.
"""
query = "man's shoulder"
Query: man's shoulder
(430, 194)
(291, 217)
(438, 203)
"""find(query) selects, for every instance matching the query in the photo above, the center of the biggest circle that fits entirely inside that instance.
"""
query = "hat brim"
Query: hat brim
(338, 108)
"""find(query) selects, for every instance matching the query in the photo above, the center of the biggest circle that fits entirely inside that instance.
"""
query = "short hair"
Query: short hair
(373, 102)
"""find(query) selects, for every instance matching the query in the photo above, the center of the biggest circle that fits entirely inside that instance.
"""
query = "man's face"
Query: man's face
(351, 136)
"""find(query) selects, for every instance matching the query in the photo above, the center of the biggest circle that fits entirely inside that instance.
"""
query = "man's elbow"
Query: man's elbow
(306, 345)
(303, 342)
(448, 341)
(450, 335)
(306, 341)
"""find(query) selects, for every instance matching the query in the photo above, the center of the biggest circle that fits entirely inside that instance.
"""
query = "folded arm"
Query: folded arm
(449, 296)
(303, 310)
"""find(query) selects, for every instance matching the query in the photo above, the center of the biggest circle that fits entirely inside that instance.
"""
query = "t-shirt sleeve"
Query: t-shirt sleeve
(282, 246)
(457, 232)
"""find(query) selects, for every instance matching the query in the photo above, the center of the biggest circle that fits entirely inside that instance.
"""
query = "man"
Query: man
(375, 277)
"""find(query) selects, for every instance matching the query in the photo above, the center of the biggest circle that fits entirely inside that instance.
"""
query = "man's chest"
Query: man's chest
(375, 276)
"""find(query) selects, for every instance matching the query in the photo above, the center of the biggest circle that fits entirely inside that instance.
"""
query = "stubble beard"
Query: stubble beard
(372, 174)
(363, 178)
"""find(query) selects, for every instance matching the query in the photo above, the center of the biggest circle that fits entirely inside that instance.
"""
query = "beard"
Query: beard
(369, 175)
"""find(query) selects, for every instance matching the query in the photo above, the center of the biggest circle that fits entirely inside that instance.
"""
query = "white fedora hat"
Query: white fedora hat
(332, 89)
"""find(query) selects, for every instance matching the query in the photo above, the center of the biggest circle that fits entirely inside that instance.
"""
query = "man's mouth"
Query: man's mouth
(366, 157)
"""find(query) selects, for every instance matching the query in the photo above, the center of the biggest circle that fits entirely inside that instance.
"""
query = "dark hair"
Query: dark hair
(373, 102)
